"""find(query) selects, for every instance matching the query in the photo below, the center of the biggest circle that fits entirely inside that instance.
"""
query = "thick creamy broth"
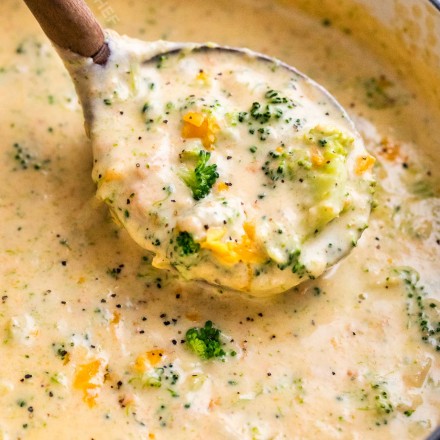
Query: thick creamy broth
(93, 337)
(227, 166)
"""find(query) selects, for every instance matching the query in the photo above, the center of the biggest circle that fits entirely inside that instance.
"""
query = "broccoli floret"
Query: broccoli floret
(200, 179)
(260, 114)
(378, 93)
(335, 143)
(295, 263)
(286, 164)
(419, 308)
(382, 400)
(275, 167)
(186, 244)
(205, 341)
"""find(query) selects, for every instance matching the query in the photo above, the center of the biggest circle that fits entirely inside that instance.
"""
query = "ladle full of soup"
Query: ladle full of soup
(229, 166)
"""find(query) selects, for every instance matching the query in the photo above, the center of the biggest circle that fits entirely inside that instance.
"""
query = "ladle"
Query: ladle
(228, 165)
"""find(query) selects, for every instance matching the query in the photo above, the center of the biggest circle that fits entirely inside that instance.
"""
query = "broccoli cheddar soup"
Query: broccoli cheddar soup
(98, 341)
(227, 166)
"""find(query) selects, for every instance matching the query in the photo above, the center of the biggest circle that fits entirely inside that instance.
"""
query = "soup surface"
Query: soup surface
(95, 341)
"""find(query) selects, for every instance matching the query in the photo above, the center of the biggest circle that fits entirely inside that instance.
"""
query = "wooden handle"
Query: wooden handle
(71, 25)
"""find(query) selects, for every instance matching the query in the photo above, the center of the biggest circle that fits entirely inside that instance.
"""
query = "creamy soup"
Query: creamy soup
(96, 343)
(228, 166)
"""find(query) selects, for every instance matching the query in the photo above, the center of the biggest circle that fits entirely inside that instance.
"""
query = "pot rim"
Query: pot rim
(435, 3)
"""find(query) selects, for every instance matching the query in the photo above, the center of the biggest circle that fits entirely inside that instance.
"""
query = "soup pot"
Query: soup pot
(414, 25)
(413, 28)
(113, 285)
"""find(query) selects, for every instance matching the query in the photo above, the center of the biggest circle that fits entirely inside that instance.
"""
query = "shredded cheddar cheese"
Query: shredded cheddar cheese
(89, 378)
(230, 252)
(364, 163)
(147, 360)
(317, 158)
(111, 175)
(221, 186)
(203, 77)
(199, 125)
(389, 149)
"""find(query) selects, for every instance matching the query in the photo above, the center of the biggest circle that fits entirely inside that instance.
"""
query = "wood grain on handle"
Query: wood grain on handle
(71, 25)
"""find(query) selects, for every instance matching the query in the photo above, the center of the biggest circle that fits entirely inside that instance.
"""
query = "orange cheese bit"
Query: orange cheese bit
(249, 229)
(111, 175)
(194, 119)
(116, 317)
(364, 163)
(199, 125)
(221, 186)
(247, 250)
(203, 77)
(89, 378)
(66, 359)
(116, 325)
(389, 149)
(213, 403)
(193, 316)
(148, 359)
(317, 158)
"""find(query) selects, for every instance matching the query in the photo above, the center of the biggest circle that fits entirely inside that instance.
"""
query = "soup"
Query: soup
(95, 341)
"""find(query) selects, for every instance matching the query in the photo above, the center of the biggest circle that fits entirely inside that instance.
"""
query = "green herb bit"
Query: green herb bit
(26, 160)
(422, 189)
(115, 272)
(242, 116)
(297, 266)
(201, 179)
(295, 263)
(186, 244)
(274, 97)
(60, 351)
(333, 141)
(377, 94)
(260, 115)
(419, 309)
(205, 341)
(151, 379)
(160, 61)
(382, 401)
(20, 49)
(285, 164)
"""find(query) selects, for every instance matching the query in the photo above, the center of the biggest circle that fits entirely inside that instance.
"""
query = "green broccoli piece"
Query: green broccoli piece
(200, 179)
(382, 400)
(334, 142)
(276, 166)
(377, 93)
(295, 263)
(286, 165)
(205, 341)
(186, 244)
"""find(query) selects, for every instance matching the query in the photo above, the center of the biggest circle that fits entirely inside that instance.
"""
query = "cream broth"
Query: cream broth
(93, 338)
(230, 167)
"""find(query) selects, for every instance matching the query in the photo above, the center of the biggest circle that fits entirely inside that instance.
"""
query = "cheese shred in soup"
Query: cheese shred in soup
(97, 343)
